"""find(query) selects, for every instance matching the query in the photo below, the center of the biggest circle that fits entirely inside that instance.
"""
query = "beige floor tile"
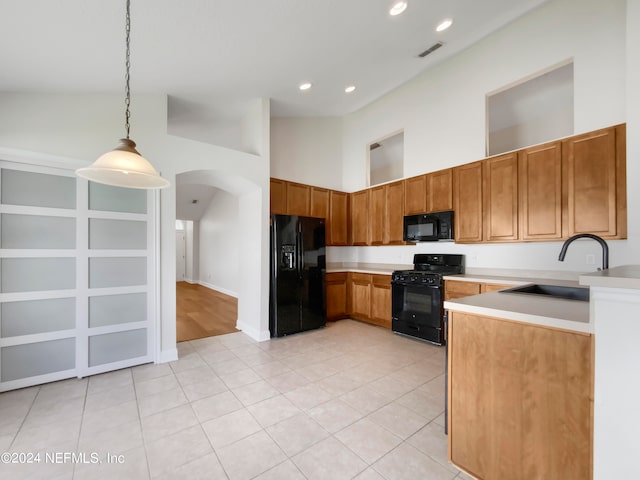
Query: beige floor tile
(254, 392)
(391, 387)
(168, 422)
(365, 399)
(62, 390)
(23, 397)
(109, 398)
(131, 465)
(187, 361)
(195, 375)
(273, 410)
(314, 464)
(39, 437)
(297, 433)
(221, 356)
(422, 403)
(369, 474)
(54, 411)
(308, 396)
(116, 440)
(110, 380)
(110, 417)
(206, 387)
(398, 420)
(161, 401)
(156, 385)
(216, 406)
(150, 371)
(288, 381)
(230, 428)
(317, 371)
(12, 418)
(405, 462)
(368, 440)
(334, 415)
(171, 452)
(285, 471)
(250, 456)
(238, 378)
(432, 441)
(271, 369)
(203, 468)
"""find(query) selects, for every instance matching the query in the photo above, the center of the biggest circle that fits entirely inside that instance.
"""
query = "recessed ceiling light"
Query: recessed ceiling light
(350, 89)
(305, 86)
(397, 8)
(444, 24)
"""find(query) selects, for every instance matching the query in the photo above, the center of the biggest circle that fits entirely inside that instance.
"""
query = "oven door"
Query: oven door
(416, 310)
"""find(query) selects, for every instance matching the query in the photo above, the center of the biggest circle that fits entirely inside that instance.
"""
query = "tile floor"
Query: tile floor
(347, 401)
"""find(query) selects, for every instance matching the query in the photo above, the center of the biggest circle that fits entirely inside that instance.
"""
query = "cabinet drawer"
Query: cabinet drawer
(455, 289)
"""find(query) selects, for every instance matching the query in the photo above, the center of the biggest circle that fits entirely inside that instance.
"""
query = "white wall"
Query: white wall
(82, 127)
(219, 249)
(192, 234)
(308, 150)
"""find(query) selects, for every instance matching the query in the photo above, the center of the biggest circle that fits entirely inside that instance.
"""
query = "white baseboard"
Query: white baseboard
(218, 289)
(190, 280)
(257, 335)
(165, 356)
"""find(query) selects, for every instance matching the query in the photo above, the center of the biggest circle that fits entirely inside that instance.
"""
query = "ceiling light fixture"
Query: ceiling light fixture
(397, 8)
(444, 24)
(305, 86)
(124, 166)
(350, 89)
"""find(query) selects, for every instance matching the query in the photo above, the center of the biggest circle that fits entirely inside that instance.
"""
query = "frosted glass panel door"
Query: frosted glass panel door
(77, 276)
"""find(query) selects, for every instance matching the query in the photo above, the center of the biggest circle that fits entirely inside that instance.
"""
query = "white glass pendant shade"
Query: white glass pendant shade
(123, 167)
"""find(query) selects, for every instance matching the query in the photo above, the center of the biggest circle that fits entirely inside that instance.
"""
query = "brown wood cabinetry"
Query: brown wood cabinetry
(440, 191)
(540, 192)
(319, 200)
(595, 181)
(415, 198)
(359, 212)
(336, 294)
(387, 214)
(278, 196)
(520, 399)
(360, 287)
(338, 218)
(380, 300)
(500, 198)
(467, 198)
(457, 289)
(298, 199)
(377, 214)
(370, 298)
(493, 287)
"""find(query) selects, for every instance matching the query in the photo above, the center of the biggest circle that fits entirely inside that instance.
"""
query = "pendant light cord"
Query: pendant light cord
(127, 100)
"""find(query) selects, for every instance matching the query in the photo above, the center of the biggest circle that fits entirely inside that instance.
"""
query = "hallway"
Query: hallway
(202, 312)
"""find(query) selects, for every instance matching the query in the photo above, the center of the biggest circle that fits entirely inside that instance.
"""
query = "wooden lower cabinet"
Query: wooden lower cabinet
(336, 295)
(458, 289)
(520, 399)
(369, 298)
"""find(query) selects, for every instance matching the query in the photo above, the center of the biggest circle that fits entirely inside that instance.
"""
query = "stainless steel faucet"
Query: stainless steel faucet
(603, 244)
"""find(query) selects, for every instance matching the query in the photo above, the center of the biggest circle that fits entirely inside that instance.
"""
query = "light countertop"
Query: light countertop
(375, 268)
(626, 276)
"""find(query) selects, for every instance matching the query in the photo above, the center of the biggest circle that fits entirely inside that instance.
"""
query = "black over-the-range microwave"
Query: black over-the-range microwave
(428, 227)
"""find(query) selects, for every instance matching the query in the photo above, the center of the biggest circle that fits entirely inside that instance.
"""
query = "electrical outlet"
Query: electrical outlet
(591, 259)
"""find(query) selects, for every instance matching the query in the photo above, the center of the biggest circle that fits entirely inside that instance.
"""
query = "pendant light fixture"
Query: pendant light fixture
(124, 166)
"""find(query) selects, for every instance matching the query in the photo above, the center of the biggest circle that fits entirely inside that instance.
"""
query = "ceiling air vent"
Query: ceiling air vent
(431, 49)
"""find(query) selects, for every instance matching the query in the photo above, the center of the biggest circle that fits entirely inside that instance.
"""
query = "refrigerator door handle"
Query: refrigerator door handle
(299, 241)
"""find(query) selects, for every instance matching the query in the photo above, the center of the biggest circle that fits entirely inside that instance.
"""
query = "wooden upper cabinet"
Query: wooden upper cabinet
(467, 199)
(338, 219)
(440, 191)
(298, 199)
(319, 202)
(377, 206)
(500, 198)
(359, 212)
(278, 196)
(394, 213)
(415, 198)
(594, 168)
(540, 192)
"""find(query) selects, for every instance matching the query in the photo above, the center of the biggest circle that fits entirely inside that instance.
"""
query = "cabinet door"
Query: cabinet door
(394, 213)
(457, 289)
(319, 202)
(415, 200)
(500, 191)
(381, 300)
(359, 212)
(520, 399)
(360, 295)
(440, 191)
(592, 173)
(336, 295)
(377, 199)
(493, 287)
(337, 222)
(298, 199)
(467, 193)
(540, 191)
(278, 196)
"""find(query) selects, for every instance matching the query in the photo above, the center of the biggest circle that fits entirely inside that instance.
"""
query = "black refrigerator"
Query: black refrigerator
(297, 291)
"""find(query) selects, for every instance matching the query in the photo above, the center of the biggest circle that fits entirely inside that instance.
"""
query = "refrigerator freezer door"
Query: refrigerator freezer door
(312, 265)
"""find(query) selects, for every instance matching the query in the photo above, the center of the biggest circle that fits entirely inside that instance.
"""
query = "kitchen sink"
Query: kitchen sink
(555, 291)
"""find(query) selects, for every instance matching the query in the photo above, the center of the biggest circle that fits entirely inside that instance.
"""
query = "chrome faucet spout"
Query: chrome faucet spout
(601, 241)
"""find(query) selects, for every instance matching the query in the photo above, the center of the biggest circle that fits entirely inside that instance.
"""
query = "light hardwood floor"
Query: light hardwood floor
(202, 312)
